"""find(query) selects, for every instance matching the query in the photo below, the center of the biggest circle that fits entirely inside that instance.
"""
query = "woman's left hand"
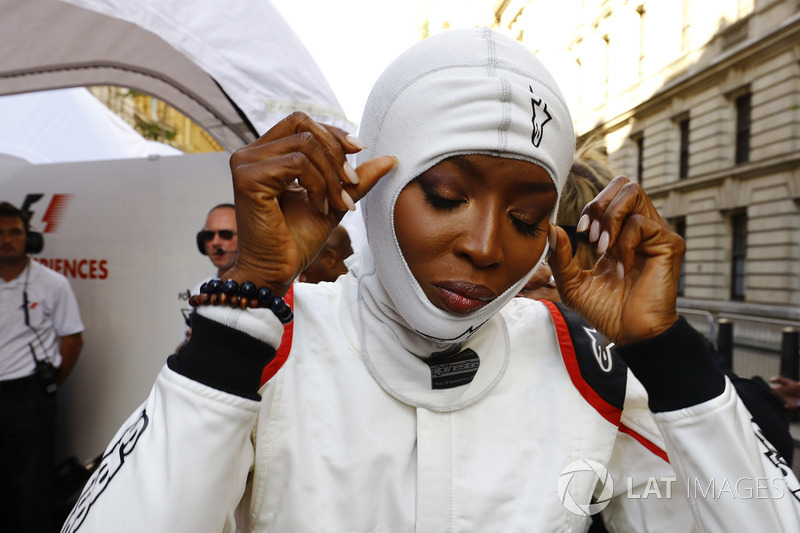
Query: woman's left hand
(630, 294)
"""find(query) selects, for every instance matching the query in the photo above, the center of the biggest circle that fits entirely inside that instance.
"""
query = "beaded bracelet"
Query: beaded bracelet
(246, 295)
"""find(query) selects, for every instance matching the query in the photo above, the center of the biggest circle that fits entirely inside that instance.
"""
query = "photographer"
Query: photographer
(40, 340)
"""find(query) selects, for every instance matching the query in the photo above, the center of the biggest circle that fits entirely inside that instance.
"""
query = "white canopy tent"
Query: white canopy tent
(235, 68)
(69, 125)
(126, 238)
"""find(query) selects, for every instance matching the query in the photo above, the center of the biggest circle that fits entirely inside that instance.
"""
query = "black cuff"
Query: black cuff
(223, 358)
(674, 368)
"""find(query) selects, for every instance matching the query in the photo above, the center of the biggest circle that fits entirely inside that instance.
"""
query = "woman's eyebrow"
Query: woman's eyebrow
(462, 162)
(536, 186)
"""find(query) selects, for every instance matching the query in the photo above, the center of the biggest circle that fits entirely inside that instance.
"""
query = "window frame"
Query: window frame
(684, 128)
(738, 285)
(743, 104)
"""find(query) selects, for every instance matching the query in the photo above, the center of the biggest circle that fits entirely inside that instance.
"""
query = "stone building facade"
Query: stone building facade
(699, 102)
(156, 120)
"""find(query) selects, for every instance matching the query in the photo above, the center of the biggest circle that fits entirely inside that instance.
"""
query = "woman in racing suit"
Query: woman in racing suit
(415, 393)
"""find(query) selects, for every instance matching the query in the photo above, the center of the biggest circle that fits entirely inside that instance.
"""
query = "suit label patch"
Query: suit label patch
(455, 370)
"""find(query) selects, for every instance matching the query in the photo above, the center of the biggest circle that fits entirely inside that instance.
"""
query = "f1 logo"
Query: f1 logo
(53, 214)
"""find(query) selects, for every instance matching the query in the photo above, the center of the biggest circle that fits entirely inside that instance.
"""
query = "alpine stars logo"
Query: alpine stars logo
(463, 336)
(541, 116)
(455, 370)
(575, 475)
(602, 351)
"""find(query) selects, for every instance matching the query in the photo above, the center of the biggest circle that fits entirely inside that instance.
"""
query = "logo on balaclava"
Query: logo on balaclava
(540, 117)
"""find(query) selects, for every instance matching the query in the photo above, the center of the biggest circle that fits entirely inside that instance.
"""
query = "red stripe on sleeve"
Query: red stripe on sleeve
(286, 343)
(606, 410)
(644, 442)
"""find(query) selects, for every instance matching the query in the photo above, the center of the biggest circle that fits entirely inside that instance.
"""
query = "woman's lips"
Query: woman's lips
(462, 297)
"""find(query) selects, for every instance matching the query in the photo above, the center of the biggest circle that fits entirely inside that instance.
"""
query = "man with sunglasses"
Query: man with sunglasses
(218, 241)
(218, 238)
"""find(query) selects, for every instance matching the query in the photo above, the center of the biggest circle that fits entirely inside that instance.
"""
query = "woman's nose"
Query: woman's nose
(481, 242)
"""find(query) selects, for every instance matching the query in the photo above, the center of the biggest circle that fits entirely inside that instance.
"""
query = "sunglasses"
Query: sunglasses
(225, 234)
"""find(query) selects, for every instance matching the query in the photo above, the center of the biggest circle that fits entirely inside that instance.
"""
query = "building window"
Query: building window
(640, 160)
(683, 165)
(738, 256)
(743, 108)
(679, 225)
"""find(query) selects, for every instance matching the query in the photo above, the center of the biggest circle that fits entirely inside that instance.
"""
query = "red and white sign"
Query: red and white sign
(123, 233)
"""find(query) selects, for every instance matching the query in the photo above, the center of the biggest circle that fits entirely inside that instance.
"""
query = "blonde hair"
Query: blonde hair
(589, 174)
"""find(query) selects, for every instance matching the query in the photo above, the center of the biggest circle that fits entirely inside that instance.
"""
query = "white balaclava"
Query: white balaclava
(459, 92)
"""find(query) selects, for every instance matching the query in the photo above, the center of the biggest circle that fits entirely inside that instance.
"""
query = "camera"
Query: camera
(47, 376)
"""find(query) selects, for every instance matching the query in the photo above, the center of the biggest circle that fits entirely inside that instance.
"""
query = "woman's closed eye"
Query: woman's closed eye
(440, 201)
(446, 202)
(533, 229)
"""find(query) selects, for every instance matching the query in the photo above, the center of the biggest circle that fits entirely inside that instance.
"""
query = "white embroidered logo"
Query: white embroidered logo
(602, 353)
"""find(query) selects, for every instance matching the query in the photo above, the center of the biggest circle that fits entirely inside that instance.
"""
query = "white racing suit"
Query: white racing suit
(564, 432)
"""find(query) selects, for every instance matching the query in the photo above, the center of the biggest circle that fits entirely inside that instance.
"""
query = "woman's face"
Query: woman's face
(472, 226)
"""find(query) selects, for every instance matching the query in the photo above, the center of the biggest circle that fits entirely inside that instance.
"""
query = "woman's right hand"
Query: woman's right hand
(292, 186)
(630, 294)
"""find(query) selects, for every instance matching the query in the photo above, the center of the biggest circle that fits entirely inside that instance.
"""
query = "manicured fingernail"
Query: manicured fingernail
(355, 141)
(620, 270)
(583, 223)
(350, 173)
(602, 244)
(325, 207)
(594, 231)
(552, 237)
(348, 201)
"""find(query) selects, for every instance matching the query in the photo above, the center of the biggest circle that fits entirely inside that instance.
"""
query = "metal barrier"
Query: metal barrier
(702, 321)
(759, 333)
(751, 345)
(790, 347)
(725, 341)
